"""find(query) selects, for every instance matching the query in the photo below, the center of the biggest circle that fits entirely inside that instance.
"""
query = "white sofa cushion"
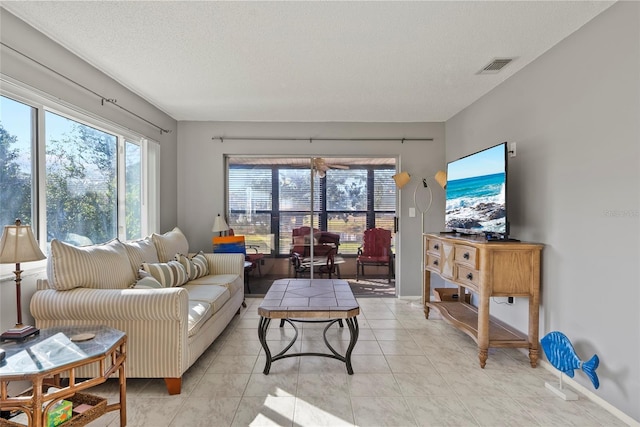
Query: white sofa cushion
(212, 294)
(229, 281)
(70, 267)
(139, 251)
(199, 312)
(169, 244)
(196, 267)
(169, 274)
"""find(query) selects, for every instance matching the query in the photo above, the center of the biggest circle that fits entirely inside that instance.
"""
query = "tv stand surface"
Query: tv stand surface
(489, 269)
(460, 234)
(500, 239)
(448, 232)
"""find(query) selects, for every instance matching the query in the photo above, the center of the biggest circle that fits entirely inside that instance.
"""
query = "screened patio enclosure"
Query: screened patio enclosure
(267, 198)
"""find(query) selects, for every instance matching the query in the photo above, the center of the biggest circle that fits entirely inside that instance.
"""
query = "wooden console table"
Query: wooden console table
(42, 360)
(488, 269)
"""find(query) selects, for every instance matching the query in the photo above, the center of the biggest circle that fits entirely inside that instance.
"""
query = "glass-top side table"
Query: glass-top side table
(57, 352)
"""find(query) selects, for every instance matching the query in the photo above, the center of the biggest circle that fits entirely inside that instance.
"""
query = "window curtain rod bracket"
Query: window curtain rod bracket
(102, 98)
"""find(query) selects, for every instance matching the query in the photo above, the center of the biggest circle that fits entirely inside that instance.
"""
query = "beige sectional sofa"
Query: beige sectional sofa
(169, 324)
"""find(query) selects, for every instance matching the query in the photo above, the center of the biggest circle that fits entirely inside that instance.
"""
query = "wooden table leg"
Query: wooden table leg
(36, 409)
(123, 391)
(483, 326)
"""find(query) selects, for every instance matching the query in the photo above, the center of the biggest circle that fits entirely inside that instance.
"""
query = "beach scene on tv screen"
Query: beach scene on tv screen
(476, 193)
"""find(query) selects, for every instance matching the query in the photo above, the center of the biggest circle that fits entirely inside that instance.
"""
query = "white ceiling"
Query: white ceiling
(387, 61)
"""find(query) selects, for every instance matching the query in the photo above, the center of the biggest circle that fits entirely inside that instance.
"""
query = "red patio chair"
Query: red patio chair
(376, 251)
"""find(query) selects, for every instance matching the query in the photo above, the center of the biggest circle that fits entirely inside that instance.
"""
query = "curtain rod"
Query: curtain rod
(253, 138)
(102, 98)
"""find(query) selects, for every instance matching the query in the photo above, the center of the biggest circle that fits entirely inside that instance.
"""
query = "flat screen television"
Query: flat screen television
(476, 200)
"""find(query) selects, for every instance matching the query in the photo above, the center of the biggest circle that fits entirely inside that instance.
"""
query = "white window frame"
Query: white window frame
(150, 167)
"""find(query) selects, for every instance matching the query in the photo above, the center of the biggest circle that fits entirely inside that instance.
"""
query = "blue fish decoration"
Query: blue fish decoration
(563, 357)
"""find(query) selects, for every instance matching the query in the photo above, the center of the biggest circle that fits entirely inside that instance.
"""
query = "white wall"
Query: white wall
(201, 172)
(574, 114)
(16, 34)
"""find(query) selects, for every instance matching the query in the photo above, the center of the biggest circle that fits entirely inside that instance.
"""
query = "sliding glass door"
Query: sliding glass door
(269, 198)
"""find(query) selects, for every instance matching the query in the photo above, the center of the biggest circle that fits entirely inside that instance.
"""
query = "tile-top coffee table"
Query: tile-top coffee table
(305, 300)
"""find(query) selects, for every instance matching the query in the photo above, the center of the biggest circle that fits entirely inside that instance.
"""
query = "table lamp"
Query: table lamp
(219, 225)
(18, 245)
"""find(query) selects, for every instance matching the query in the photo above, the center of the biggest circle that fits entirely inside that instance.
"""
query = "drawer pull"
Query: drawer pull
(469, 276)
(436, 246)
(466, 255)
(435, 262)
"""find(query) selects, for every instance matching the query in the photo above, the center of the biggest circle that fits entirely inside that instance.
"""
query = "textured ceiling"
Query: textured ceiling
(307, 61)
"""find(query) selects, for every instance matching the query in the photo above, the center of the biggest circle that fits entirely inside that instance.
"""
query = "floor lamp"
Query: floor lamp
(441, 179)
(403, 179)
(18, 245)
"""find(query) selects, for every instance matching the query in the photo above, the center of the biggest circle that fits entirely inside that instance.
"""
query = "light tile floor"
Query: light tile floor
(409, 371)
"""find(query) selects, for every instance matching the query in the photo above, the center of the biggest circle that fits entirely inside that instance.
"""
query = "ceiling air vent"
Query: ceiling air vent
(495, 66)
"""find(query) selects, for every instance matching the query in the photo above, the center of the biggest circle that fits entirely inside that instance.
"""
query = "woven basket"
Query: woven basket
(99, 407)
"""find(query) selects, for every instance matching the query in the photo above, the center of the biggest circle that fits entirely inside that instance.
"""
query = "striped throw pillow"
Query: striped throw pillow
(148, 283)
(169, 244)
(169, 274)
(103, 266)
(196, 267)
(139, 251)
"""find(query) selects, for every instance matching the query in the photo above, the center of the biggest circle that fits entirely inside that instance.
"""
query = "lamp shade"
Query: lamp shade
(401, 179)
(19, 245)
(441, 178)
(219, 225)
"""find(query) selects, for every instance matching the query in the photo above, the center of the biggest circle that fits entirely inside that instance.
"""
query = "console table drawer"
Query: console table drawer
(434, 246)
(434, 263)
(466, 255)
(468, 276)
